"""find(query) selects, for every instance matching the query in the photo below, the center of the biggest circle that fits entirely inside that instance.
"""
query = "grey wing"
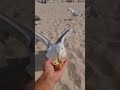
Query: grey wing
(64, 36)
(40, 38)
(75, 14)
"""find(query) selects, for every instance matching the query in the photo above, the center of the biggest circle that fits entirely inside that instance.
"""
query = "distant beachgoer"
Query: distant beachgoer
(42, 1)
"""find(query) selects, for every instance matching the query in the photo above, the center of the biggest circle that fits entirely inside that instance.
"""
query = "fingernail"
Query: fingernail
(65, 61)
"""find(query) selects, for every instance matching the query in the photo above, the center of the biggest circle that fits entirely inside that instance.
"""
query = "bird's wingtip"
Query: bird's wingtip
(71, 29)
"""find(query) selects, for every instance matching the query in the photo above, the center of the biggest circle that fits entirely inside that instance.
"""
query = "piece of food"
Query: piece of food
(58, 64)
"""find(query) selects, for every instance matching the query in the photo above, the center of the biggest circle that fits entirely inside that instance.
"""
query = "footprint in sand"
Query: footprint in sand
(78, 53)
(65, 87)
(50, 35)
(77, 81)
(70, 56)
(71, 70)
(73, 75)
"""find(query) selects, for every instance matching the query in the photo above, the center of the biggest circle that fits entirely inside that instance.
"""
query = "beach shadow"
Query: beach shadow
(40, 58)
(69, 19)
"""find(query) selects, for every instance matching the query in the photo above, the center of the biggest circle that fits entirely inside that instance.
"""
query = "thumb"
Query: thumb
(47, 64)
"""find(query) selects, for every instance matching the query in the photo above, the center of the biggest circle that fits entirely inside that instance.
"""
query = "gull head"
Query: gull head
(61, 51)
(57, 52)
(60, 47)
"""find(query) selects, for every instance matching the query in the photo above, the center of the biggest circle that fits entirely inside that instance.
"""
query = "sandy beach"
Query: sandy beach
(55, 19)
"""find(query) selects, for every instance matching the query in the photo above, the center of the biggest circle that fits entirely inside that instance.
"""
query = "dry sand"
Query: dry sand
(54, 21)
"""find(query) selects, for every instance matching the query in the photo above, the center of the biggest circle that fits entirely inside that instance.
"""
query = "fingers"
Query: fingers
(48, 66)
(48, 62)
(65, 64)
(63, 68)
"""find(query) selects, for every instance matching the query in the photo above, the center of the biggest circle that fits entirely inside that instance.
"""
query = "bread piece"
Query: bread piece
(58, 64)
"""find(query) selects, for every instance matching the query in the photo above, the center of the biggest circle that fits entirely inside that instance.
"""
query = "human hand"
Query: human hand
(49, 77)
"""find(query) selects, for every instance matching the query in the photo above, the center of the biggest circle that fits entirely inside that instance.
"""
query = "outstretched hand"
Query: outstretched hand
(49, 77)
